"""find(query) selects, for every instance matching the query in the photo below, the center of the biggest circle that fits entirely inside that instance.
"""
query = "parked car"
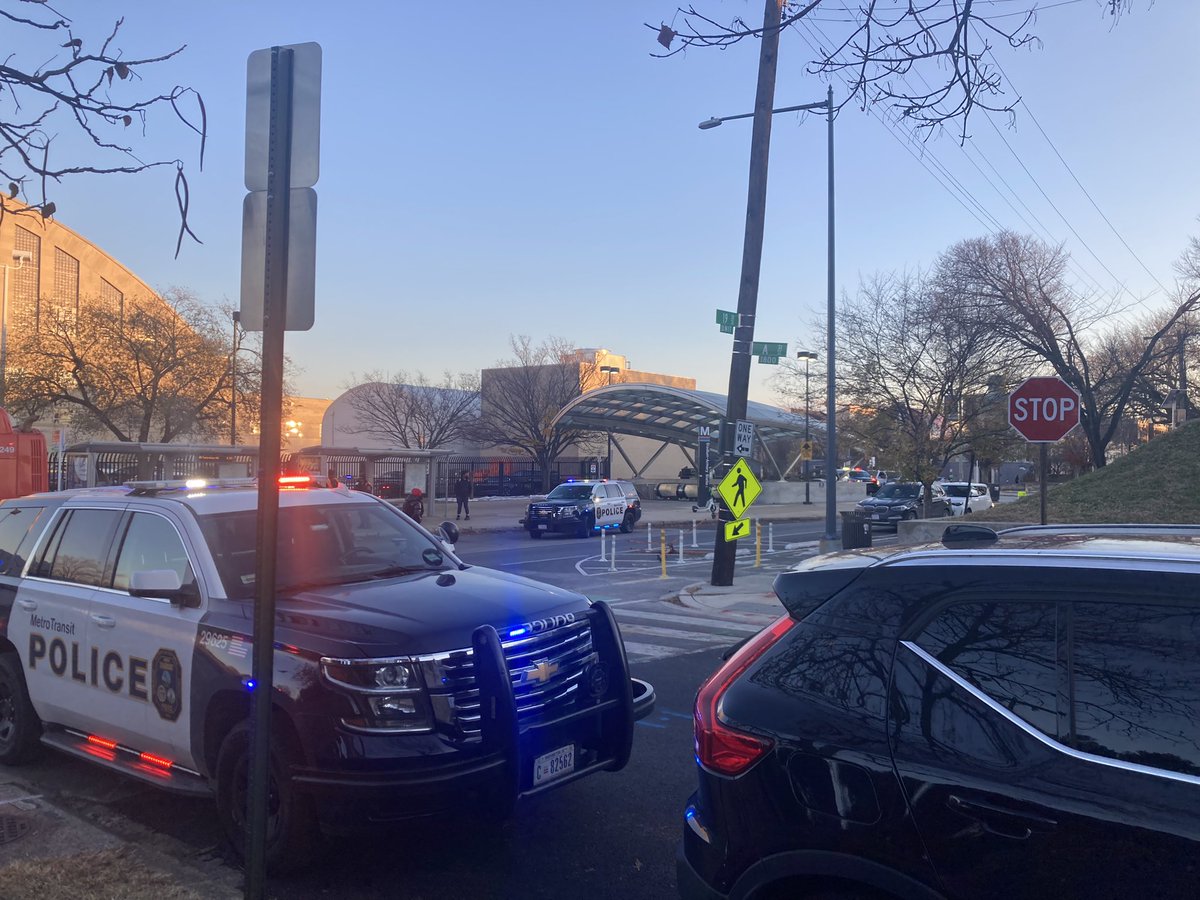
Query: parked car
(898, 501)
(945, 724)
(963, 495)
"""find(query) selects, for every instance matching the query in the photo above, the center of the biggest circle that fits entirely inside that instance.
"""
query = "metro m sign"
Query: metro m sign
(1043, 410)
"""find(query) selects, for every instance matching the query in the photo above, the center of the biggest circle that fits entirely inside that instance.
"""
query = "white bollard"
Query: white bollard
(681, 545)
(612, 555)
(603, 558)
(649, 534)
(770, 537)
(694, 544)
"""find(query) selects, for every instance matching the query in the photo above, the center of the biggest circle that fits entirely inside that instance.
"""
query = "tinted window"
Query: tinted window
(613, 491)
(151, 542)
(895, 490)
(1007, 650)
(15, 525)
(570, 492)
(80, 546)
(1137, 683)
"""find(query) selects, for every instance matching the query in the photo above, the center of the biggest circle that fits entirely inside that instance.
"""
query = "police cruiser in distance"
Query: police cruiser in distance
(405, 681)
(583, 508)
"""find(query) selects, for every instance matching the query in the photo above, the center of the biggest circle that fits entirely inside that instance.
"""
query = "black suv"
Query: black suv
(1008, 716)
(899, 501)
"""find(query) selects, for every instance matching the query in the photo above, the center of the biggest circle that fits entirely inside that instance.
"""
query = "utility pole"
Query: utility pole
(756, 204)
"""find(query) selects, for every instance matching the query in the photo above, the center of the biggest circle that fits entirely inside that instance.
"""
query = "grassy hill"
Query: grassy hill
(1155, 483)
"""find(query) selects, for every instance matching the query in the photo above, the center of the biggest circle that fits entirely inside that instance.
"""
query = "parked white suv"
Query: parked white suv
(961, 495)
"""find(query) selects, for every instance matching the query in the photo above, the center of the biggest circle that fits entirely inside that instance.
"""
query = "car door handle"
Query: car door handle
(27, 605)
(104, 621)
(1001, 820)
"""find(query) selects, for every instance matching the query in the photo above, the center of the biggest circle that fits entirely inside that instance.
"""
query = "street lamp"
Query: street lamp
(611, 371)
(807, 356)
(723, 555)
(22, 257)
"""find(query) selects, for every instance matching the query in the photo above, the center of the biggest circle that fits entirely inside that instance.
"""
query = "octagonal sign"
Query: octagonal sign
(1043, 410)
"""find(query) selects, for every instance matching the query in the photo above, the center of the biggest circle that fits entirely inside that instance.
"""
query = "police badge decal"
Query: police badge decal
(167, 679)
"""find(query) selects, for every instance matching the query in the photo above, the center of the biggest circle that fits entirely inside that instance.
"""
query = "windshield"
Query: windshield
(570, 492)
(956, 490)
(895, 491)
(320, 545)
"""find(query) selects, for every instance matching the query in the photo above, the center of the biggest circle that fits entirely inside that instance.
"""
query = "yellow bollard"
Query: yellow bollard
(757, 544)
(662, 550)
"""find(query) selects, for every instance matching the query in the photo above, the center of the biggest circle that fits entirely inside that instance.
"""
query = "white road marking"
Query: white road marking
(691, 620)
(695, 637)
(657, 651)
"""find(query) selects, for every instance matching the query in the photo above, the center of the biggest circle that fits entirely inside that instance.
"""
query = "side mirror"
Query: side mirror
(162, 584)
(448, 532)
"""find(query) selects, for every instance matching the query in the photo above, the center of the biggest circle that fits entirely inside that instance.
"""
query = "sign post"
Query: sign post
(1044, 410)
(271, 176)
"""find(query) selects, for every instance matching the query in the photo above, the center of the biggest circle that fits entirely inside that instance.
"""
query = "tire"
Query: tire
(627, 523)
(292, 833)
(910, 515)
(20, 729)
(586, 528)
(536, 535)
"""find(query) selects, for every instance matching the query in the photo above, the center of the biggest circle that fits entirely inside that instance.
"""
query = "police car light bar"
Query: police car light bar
(295, 481)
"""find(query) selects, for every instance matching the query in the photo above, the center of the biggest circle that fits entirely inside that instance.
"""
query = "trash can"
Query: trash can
(994, 490)
(856, 529)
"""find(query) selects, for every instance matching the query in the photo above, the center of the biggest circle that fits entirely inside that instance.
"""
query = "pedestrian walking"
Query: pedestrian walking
(462, 493)
(414, 507)
(333, 480)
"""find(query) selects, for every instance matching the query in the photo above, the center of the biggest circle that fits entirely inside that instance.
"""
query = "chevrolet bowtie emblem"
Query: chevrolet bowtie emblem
(542, 671)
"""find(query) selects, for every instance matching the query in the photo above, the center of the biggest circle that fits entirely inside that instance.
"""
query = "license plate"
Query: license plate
(543, 526)
(554, 764)
(877, 516)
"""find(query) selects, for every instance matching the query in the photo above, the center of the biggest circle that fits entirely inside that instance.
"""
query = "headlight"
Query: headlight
(388, 693)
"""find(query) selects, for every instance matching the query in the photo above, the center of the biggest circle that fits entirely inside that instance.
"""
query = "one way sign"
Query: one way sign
(737, 529)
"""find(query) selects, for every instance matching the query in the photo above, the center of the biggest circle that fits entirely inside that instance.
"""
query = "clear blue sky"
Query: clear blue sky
(490, 169)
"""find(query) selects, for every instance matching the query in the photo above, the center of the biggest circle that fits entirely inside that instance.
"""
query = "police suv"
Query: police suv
(583, 508)
(405, 681)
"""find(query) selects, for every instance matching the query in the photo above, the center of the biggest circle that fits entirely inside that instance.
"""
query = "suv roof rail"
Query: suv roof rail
(957, 535)
(1143, 529)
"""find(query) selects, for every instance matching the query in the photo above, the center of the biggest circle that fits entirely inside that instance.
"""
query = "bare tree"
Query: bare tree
(1017, 286)
(413, 412)
(875, 46)
(521, 396)
(922, 377)
(86, 92)
(160, 372)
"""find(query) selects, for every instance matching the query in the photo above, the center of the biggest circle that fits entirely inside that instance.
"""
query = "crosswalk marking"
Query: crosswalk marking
(640, 652)
(692, 620)
(695, 637)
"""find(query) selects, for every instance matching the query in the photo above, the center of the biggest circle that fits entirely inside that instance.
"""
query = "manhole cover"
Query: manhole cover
(12, 828)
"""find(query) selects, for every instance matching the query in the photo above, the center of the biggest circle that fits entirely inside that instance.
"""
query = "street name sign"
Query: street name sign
(769, 360)
(727, 319)
(767, 348)
(1043, 409)
(739, 488)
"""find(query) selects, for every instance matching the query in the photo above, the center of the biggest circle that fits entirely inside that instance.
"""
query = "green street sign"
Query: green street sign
(727, 329)
(769, 360)
(767, 348)
(727, 319)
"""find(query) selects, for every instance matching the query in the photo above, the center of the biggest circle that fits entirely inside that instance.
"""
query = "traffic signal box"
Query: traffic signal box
(24, 468)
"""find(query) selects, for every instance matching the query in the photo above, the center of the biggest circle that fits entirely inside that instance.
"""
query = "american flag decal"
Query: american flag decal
(238, 646)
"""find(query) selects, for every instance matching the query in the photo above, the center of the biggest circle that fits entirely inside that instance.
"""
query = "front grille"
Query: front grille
(559, 656)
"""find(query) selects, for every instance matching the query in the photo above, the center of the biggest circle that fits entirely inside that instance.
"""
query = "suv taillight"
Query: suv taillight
(719, 748)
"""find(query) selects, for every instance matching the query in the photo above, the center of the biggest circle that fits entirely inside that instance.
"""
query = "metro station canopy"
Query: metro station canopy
(672, 415)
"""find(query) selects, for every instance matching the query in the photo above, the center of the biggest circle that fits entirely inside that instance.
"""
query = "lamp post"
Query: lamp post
(723, 554)
(611, 371)
(807, 356)
(237, 318)
(22, 257)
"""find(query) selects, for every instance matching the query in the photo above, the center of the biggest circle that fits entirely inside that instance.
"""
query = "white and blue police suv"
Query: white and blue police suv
(405, 681)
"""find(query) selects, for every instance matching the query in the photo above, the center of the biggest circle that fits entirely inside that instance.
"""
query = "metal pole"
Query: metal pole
(237, 317)
(1042, 461)
(831, 376)
(274, 323)
(4, 344)
(807, 439)
(724, 552)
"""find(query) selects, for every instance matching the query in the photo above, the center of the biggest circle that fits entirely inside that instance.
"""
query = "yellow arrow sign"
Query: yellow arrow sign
(739, 488)
(738, 529)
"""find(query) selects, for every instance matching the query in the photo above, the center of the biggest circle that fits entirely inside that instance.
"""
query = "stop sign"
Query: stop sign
(1043, 409)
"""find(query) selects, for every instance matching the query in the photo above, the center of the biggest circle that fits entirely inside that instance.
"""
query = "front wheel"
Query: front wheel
(585, 528)
(20, 729)
(535, 534)
(292, 832)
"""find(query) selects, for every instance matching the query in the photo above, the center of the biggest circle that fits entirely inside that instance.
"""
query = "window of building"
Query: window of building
(1137, 683)
(66, 283)
(112, 299)
(25, 286)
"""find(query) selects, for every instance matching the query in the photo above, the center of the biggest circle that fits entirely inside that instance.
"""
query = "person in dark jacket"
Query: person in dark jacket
(462, 493)
(414, 507)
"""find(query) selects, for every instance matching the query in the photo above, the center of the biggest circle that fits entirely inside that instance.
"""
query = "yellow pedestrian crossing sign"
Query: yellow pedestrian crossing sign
(739, 488)
(738, 529)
